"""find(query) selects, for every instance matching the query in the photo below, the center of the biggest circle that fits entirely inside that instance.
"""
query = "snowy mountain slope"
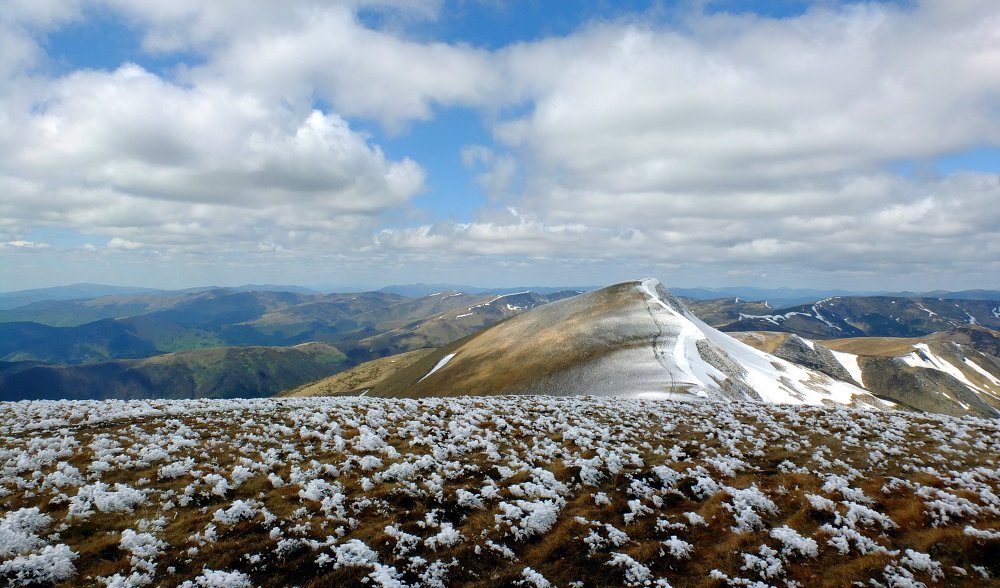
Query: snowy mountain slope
(944, 373)
(634, 339)
(929, 373)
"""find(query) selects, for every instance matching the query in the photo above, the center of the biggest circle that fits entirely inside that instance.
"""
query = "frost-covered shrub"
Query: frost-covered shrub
(533, 578)
(219, 579)
(105, 498)
(239, 511)
(793, 542)
(525, 519)
(746, 506)
(50, 564)
(636, 574)
(678, 547)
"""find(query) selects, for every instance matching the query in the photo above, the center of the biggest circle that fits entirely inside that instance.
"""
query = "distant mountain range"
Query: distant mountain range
(418, 290)
(775, 296)
(70, 292)
(851, 316)
(136, 324)
(20, 298)
(107, 329)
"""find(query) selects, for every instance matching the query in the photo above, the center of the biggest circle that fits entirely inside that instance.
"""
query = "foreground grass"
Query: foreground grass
(532, 491)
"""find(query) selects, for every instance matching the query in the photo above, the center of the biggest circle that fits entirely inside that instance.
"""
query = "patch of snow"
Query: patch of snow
(533, 578)
(52, 564)
(440, 364)
(850, 363)
(219, 579)
(678, 547)
(792, 541)
(924, 357)
(976, 367)
(820, 316)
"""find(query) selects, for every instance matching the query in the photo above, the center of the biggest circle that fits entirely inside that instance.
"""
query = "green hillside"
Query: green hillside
(226, 372)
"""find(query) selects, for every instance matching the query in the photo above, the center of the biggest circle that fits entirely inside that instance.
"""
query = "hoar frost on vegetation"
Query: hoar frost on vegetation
(529, 491)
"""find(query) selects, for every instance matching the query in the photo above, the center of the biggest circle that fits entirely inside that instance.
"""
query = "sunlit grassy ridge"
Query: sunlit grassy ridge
(494, 491)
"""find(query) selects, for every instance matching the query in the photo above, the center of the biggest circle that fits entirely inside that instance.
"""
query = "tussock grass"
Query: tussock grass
(612, 478)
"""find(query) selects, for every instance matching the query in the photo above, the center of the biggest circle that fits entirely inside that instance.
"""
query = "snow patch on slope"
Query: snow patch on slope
(440, 364)
(975, 366)
(925, 358)
(850, 363)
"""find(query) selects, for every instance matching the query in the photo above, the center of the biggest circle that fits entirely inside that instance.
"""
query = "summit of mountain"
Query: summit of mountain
(630, 339)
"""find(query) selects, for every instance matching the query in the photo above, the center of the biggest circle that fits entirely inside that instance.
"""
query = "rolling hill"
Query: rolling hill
(101, 359)
(224, 372)
(366, 325)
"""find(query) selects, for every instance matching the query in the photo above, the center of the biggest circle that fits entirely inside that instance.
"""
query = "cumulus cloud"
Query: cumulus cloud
(297, 50)
(129, 151)
(496, 173)
(21, 244)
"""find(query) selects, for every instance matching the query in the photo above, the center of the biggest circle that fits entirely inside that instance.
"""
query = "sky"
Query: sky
(824, 144)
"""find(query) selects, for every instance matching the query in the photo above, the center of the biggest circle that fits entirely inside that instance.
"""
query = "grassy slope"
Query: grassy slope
(519, 354)
(359, 378)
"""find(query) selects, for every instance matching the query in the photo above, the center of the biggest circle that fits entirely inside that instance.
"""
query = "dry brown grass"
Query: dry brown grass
(360, 377)
(703, 431)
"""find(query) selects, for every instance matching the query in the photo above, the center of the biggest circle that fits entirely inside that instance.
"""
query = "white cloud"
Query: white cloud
(127, 151)
(496, 173)
(21, 244)
(294, 51)
(118, 243)
(923, 225)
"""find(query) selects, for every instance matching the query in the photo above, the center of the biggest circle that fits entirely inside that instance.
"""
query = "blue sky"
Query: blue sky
(784, 143)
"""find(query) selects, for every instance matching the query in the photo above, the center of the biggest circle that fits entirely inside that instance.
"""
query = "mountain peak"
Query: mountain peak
(629, 339)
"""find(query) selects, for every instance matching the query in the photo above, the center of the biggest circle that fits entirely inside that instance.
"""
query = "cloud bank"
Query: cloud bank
(723, 143)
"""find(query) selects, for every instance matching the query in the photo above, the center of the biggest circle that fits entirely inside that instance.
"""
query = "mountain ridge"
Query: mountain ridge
(633, 338)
